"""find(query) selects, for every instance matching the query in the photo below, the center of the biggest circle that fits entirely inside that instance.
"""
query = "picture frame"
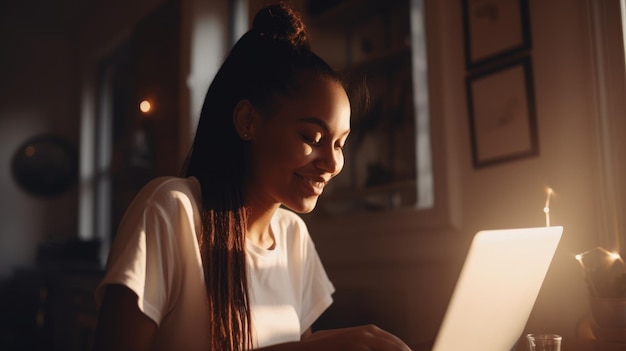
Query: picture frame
(494, 29)
(501, 106)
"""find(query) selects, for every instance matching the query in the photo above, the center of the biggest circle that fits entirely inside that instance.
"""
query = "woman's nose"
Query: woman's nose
(330, 160)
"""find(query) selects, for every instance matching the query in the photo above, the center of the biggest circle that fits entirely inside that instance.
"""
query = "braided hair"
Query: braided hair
(265, 62)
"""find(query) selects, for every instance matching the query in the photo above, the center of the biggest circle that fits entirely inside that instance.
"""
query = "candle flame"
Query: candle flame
(614, 255)
(596, 267)
(549, 191)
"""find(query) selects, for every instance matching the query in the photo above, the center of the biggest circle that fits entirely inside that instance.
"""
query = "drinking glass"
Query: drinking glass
(544, 342)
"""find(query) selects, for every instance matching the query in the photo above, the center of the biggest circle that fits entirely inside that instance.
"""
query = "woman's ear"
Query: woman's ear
(243, 118)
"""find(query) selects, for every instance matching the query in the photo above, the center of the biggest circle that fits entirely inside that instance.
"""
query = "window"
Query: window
(381, 45)
(608, 24)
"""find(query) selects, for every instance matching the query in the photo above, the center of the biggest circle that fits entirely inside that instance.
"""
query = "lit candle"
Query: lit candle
(615, 256)
(546, 207)
(618, 263)
(600, 269)
(588, 277)
(579, 258)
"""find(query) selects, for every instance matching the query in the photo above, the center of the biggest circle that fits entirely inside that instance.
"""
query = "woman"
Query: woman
(211, 260)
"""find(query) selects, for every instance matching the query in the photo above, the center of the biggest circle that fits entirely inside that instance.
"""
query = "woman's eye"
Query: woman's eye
(314, 139)
(341, 144)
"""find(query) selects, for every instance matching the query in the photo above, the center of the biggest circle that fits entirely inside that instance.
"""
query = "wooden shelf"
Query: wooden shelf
(370, 39)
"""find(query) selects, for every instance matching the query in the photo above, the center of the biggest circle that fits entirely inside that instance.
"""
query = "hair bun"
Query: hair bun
(281, 23)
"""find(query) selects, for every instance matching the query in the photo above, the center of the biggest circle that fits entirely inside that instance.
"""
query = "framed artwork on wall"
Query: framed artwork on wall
(502, 113)
(494, 29)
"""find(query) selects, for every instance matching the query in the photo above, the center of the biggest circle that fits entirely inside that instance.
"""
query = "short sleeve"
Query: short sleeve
(143, 257)
(317, 289)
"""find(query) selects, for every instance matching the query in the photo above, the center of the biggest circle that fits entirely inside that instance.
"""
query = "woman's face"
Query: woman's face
(299, 148)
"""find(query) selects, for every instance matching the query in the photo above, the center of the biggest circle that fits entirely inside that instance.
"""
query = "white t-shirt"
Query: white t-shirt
(156, 255)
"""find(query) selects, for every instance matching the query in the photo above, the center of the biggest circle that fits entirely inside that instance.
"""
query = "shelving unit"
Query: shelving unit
(369, 42)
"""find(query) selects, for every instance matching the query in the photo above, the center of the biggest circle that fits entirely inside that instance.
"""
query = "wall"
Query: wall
(513, 194)
(38, 94)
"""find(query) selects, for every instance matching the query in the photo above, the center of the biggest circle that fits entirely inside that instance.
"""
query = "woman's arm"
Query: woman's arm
(362, 338)
(121, 325)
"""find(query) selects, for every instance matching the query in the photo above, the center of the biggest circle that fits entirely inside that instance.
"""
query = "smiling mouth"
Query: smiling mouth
(316, 185)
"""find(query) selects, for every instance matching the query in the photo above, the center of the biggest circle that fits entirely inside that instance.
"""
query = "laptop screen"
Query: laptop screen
(497, 288)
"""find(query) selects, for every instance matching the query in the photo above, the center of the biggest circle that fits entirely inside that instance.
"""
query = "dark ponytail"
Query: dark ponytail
(265, 61)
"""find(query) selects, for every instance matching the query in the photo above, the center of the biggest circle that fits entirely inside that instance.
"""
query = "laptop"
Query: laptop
(497, 288)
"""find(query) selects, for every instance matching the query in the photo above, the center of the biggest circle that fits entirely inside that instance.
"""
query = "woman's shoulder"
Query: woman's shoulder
(287, 216)
(290, 222)
(168, 188)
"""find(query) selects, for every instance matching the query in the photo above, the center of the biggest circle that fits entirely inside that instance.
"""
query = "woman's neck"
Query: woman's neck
(259, 230)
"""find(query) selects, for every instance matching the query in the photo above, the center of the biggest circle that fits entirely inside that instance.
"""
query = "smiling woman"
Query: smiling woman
(218, 258)
(297, 149)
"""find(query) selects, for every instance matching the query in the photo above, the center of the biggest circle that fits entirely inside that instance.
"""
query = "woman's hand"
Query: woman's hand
(362, 338)
(121, 326)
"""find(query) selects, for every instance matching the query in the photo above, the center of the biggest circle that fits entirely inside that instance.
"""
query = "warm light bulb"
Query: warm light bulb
(145, 106)
(579, 257)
